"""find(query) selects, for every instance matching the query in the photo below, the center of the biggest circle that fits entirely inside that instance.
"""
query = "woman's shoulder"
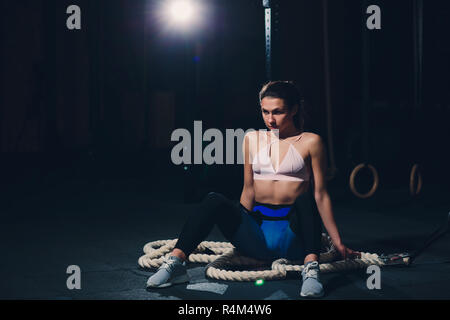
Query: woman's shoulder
(313, 141)
(253, 134)
(312, 137)
(254, 138)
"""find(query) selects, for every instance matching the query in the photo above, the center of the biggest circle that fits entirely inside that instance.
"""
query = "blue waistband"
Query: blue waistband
(271, 210)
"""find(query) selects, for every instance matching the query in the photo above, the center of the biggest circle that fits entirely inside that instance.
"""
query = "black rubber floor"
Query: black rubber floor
(103, 226)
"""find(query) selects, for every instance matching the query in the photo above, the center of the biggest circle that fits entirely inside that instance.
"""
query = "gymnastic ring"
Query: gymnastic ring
(412, 176)
(375, 180)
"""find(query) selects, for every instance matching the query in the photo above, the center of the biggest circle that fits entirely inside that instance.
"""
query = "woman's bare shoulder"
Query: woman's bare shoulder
(254, 134)
(311, 135)
(313, 141)
(250, 133)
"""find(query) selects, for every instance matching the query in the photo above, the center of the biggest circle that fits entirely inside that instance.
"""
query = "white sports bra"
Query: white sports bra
(292, 168)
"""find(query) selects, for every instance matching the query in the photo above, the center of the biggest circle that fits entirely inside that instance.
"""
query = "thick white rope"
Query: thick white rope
(226, 256)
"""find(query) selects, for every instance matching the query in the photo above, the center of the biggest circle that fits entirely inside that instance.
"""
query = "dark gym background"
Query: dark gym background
(86, 117)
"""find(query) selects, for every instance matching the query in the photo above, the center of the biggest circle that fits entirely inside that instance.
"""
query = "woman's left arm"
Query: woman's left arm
(321, 196)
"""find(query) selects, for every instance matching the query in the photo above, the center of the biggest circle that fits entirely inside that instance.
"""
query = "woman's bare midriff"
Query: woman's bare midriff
(279, 192)
(282, 191)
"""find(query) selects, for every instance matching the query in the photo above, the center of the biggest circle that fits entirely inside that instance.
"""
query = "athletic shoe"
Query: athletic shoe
(311, 288)
(172, 271)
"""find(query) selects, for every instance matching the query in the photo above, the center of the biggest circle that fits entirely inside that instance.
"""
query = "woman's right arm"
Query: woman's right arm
(248, 192)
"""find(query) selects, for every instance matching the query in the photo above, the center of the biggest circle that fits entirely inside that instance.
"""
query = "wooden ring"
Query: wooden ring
(412, 180)
(375, 180)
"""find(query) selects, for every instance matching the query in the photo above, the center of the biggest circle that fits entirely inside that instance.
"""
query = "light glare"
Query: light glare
(259, 282)
(181, 11)
(178, 17)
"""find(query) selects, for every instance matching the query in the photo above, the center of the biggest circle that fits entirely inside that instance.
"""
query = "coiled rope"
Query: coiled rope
(224, 256)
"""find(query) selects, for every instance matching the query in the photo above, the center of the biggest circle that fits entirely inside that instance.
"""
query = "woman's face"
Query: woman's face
(276, 114)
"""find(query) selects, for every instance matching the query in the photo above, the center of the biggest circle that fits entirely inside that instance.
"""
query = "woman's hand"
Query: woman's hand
(347, 253)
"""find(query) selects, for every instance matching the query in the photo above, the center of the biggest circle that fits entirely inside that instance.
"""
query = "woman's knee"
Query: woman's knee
(213, 206)
(225, 213)
(215, 199)
(215, 196)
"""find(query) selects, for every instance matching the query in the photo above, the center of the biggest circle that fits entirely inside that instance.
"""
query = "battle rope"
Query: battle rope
(224, 256)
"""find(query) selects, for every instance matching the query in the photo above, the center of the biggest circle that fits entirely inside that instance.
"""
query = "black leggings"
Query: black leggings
(252, 233)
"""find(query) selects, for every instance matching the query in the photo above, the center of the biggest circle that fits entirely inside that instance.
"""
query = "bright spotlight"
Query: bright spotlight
(182, 15)
(181, 11)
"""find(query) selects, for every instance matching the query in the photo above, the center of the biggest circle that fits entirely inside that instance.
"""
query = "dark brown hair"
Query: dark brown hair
(287, 91)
